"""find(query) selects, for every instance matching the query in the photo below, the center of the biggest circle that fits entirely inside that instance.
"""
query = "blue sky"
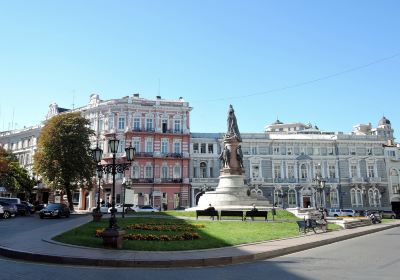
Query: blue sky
(256, 55)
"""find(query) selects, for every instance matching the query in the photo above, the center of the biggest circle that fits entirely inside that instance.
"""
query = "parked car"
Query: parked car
(119, 208)
(30, 206)
(341, 213)
(12, 200)
(55, 210)
(22, 209)
(8, 209)
(146, 208)
(388, 214)
(40, 206)
(1, 210)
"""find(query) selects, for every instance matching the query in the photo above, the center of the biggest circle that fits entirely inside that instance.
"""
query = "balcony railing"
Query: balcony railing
(143, 180)
(171, 180)
(173, 131)
(138, 129)
(173, 155)
(145, 154)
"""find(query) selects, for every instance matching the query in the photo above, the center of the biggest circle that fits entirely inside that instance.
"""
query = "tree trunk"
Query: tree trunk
(69, 198)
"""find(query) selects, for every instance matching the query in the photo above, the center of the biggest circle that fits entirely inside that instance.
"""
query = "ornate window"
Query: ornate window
(278, 197)
(148, 171)
(177, 172)
(135, 172)
(277, 171)
(374, 197)
(356, 197)
(203, 170)
(303, 172)
(292, 198)
(290, 171)
(164, 172)
(334, 197)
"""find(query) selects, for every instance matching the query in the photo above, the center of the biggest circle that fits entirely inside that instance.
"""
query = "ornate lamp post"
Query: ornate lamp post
(112, 236)
(320, 185)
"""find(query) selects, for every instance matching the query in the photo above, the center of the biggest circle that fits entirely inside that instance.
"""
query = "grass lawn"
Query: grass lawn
(215, 233)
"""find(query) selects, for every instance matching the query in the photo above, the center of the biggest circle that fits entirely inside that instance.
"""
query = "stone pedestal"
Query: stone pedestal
(113, 238)
(230, 193)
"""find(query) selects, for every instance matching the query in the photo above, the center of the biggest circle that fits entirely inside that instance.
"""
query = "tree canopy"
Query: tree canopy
(14, 177)
(63, 158)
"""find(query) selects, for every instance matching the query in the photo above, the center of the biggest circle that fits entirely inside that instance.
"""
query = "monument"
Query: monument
(231, 191)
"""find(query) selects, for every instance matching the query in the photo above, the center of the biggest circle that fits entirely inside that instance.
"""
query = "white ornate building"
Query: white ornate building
(282, 163)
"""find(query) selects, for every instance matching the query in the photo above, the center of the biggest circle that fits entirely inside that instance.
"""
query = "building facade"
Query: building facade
(159, 130)
(283, 163)
(392, 157)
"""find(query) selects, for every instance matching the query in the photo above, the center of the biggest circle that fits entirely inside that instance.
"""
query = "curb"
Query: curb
(199, 262)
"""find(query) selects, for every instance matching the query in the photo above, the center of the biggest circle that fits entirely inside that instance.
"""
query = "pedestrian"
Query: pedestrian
(254, 209)
(210, 208)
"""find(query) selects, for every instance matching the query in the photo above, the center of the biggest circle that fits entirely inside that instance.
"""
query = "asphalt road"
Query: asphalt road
(374, 256)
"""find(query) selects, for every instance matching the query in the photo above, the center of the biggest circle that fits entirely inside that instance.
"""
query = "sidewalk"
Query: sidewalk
(41, 248)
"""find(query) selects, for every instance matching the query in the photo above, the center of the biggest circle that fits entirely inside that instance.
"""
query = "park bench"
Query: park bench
(311, 224)
(208, 213)
(252, 214)
(231, 213)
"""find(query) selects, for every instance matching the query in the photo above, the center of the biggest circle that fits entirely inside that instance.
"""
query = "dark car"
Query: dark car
(55, 210)
(30, 206)
(9, 209)
(22, 209)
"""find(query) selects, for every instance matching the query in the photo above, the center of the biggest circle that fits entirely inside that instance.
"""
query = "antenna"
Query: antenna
(73, 99)
(159, 86)
(12, 123)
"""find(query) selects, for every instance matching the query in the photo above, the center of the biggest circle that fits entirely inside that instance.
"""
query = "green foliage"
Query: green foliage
(12, 176)
(63, 158)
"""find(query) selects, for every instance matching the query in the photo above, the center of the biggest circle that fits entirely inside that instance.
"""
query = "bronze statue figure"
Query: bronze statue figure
(232, 124)
(239, 156)
(225, 157)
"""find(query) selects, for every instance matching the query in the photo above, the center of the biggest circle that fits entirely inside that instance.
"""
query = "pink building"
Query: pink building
(160, 131)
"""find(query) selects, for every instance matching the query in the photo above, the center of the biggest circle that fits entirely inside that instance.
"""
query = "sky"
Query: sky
(334, 64)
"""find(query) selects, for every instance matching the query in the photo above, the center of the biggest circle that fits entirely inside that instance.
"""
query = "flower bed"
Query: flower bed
(187, 230)
(164, 227)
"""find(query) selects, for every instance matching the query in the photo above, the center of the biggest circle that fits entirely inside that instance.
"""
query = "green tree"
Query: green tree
(14, 177)
(63, 158)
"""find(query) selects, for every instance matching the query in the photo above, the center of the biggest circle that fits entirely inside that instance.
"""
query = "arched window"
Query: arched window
(177, 172)
(303, 171)
(334, 198)
(292, 198)
(148, 172)
(135, 171)
(164, 172)
(278, 197)
(203, 170)
(356, 197)
(374, 197)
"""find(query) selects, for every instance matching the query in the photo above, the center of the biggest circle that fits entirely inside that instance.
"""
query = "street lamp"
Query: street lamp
(112, 237)
(320, 185)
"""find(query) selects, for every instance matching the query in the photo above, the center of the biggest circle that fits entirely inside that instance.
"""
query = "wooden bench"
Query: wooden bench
(252, 214)
(306, 225)
(209, 213)
(231, 213)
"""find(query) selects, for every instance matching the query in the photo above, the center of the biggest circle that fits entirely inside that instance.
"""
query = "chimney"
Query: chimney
(158, 97)
(136, 95)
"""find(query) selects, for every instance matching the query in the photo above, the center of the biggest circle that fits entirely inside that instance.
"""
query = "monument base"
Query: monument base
(231, 193)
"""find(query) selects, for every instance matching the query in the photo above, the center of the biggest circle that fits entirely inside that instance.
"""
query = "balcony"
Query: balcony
(150, 154)
(204, 180)
(173, 131)
(171, 180)
(173, 155)
(138, 129)
(143, 180)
